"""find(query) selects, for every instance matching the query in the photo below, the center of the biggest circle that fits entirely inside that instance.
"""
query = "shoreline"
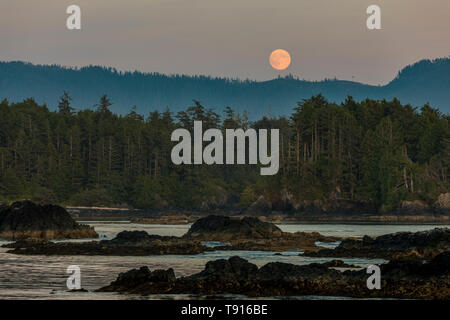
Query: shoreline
(140, 217)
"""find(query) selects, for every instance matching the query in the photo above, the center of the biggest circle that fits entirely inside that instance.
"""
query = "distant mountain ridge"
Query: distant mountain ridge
(417, 84)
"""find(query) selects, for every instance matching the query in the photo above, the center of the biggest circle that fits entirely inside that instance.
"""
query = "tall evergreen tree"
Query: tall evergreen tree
(64, 106)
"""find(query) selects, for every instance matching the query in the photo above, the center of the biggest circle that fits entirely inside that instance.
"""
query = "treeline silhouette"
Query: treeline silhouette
(381, 152)
(425, 81)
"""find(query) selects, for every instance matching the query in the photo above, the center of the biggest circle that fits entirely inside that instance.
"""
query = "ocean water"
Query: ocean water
(44, 277)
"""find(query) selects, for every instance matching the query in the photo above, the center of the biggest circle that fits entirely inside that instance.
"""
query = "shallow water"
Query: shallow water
(44, 277)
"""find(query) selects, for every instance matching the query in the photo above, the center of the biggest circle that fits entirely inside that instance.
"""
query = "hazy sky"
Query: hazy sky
(233, 38)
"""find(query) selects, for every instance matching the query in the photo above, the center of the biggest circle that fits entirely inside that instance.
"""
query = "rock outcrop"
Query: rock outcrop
(400, 279)
(400, 245)
(250, 233)
(416, 207)
(126, 243)
(243, 234)
(26, 219)
(143, 280)
(224, 228)
(442, 204)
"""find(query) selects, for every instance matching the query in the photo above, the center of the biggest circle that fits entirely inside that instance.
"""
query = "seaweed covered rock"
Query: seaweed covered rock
(25, 219)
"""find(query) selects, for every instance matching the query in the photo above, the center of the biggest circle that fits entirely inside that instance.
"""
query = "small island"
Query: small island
(27, 220)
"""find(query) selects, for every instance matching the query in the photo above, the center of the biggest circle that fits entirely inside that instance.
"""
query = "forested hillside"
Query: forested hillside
(422, 82)
(381, 152)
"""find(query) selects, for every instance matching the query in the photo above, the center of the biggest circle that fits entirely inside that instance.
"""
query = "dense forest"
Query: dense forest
(382, 152)
(422, 82)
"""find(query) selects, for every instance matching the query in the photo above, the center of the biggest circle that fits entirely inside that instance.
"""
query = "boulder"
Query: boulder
(25, 219)
(233, 269)
(135, 238)
(442, 204)
(137, 280)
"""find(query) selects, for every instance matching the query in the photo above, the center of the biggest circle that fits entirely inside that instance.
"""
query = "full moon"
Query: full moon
(280, 59)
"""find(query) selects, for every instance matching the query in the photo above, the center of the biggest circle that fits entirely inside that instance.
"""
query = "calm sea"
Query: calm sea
(44, 277)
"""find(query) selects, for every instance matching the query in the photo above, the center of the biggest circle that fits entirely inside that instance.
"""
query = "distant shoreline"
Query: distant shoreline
(152, 216)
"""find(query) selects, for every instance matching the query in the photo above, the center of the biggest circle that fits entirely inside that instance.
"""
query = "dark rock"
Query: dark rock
(250, 233)
(26, 219)
(339, 264)
(223, 228)
(400, 245)
(137, 280)
(78, 290)
(135, 238)
(243, 234)
(126, 243)
(400, 279)
(279, 271)
(233, 269)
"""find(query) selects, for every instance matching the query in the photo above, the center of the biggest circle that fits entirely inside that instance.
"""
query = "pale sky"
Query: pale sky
(230, 38)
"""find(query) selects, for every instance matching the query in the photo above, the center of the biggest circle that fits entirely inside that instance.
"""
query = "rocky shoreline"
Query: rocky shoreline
(250, 234)
(418, 267)
(282, 207)
(423, 245)
(400, 279)
(126, 243)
